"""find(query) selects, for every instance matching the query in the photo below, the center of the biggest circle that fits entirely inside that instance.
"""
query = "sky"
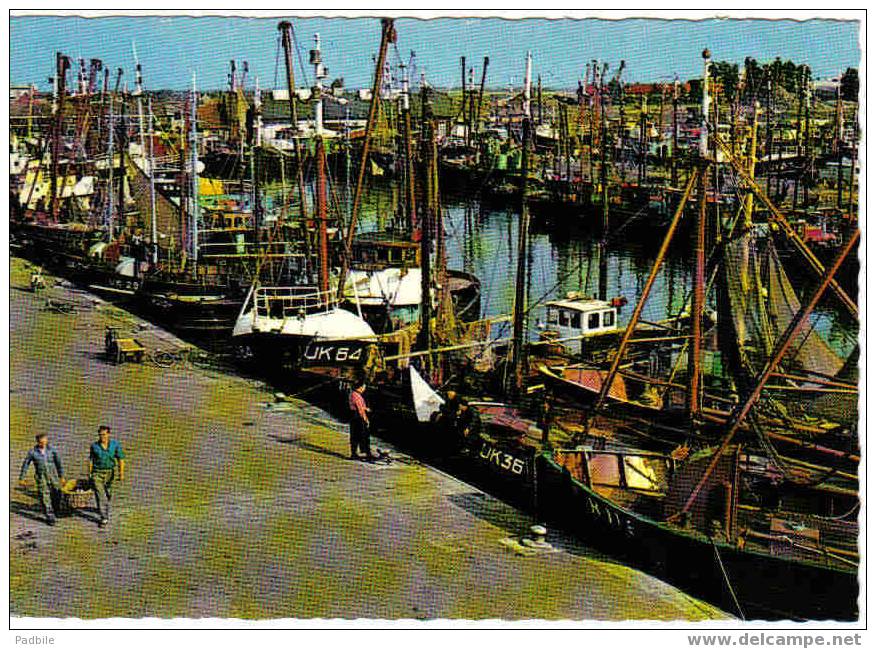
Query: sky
(171, 47)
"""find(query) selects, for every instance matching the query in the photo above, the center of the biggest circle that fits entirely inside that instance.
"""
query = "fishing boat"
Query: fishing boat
(758, 561)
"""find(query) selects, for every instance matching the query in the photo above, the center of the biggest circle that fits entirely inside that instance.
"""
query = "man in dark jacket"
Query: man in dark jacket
(49, 475)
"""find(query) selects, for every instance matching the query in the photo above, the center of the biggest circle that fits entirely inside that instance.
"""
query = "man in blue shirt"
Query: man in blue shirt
(104, 456)
(49, 475)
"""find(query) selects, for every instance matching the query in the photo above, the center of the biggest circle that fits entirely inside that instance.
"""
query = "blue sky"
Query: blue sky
(170, 47)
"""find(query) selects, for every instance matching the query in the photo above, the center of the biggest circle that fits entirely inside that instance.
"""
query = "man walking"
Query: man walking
(49, 475)
(360, 436)
(104, 456)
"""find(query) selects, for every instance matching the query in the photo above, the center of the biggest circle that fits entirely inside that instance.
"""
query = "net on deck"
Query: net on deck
(763, 304)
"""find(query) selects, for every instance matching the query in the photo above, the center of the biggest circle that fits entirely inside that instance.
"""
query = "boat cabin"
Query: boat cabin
(575, 320)
(376, 251)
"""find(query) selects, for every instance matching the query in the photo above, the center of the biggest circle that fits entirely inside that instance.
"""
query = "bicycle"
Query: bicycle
(188, 356)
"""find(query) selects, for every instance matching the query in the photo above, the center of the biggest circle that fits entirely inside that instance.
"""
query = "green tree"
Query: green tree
(849, 84)
(727, 76)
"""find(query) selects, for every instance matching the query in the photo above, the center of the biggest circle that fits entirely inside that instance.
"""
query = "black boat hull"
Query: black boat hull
(766, 587)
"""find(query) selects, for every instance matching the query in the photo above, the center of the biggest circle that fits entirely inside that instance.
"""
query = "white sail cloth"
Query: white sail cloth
(426, 400)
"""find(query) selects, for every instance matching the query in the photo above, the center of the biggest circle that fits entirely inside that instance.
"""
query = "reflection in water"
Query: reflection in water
(482, 239)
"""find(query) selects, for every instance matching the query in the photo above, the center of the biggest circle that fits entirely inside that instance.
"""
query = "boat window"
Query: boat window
(576, 320)
(564, 318)
(604, 469)
(552, 317)
(608, 318)
(646, 473)
(593, 321)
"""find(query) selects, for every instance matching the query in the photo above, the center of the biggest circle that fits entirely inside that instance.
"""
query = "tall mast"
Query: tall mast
(322, 215)
(427, 224)
(540, 106)
(694, 403)
(464, 120)
(257, 107)
(193, 146)
(138, 93)
(387, 36)
(410, 188)
(748, 207)
(123, 145)
(471, 104)
(319, 74)
(798, 134)
(675, 88)
(603, 182)
(807, 98)
(62, 63)
(153, 216)
(643, 137)
(254, 143)
(839, 146)
(111, 171)
(769, 132)
(285, 28)
(522, 282)
(706, 106)
(481, 92)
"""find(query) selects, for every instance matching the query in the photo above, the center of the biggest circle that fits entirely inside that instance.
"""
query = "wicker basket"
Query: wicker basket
(79, 499)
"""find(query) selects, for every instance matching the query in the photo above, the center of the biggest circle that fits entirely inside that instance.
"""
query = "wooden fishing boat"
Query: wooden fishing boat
(757, 564)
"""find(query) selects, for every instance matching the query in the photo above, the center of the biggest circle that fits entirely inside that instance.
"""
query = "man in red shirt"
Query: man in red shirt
(360, 436)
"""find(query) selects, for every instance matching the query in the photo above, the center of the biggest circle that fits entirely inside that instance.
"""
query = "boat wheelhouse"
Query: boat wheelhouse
(576, 320)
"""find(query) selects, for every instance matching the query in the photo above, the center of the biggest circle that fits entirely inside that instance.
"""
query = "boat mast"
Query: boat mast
(674, 172)
(839, 146)
(643, 138)
(798, 135)
(807, 97)
(111, 171)
(481, 92)
(123, 144)
(387, 36)
(410, 188)
(748, 209)
(285, 28)
(153, 217)
(322, 215)
(706, 107)
(694, 395)
(193, 146)
(603, 182)
(319, 74)
(464, 95)
(138, 93)
(254, 143)
(427, 225)
(62, 63)
(694, 402)
(518, 370)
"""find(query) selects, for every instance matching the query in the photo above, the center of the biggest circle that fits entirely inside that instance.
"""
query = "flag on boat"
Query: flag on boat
(426, 400)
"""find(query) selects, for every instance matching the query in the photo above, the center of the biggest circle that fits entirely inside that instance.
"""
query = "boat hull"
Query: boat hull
(766, 586)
